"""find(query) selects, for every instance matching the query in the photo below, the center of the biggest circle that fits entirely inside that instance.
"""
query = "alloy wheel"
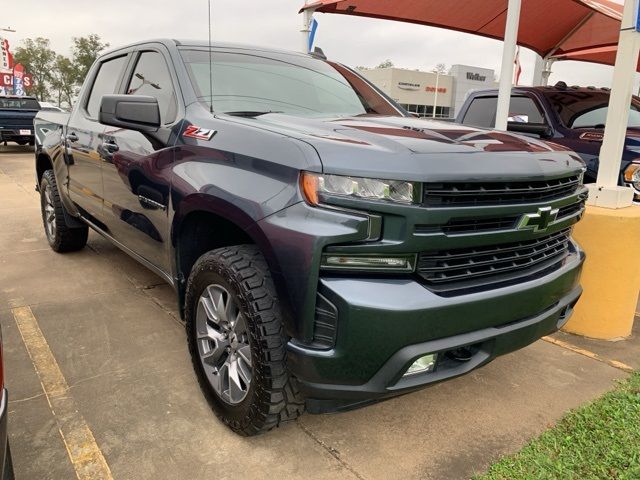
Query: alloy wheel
(49, 213)
(223, 344)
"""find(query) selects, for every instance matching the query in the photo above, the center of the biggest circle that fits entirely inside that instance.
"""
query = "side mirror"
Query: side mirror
(133, 112)
(541, 129)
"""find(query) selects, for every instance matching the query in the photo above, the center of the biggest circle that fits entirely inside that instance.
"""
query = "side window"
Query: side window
(151, 77)
(105, 83)
(525, 110)
(482, 112)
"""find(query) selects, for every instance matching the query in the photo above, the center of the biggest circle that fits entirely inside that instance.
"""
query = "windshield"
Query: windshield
(19, 103)
(291, 84)
(580, 109)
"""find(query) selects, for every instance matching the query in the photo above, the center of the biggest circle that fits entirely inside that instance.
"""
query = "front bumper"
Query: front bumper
(385, 324)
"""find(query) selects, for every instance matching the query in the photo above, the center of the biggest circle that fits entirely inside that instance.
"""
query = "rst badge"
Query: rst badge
(200, 133)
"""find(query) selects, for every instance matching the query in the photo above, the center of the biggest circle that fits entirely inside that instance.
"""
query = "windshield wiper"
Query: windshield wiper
(250, 113)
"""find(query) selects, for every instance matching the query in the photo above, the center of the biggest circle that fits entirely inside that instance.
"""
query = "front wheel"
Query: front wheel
(237, 343)
(61, 237)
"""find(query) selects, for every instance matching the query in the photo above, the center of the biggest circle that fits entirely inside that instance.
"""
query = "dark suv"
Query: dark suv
(570, 116)
(16, 119)
(326, 248)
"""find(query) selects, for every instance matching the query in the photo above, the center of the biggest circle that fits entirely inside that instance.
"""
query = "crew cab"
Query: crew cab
(327, 249)
(570, 116)
(16, 119)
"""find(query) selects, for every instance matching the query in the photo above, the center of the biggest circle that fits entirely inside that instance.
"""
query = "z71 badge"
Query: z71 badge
(200, 133)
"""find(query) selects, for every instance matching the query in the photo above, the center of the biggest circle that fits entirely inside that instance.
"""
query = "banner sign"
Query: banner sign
(312, 33)
(6, 80)
(18, 80)
(6, 59)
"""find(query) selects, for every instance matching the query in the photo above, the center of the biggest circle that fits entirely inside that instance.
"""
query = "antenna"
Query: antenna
(210, 63)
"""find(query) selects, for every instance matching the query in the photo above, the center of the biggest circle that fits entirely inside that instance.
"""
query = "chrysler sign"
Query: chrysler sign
(408, 86)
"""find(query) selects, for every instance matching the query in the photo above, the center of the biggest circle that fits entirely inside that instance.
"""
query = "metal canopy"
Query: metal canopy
(548, 27)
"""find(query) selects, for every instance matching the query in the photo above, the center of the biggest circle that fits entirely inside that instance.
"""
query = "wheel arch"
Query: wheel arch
(203, 223)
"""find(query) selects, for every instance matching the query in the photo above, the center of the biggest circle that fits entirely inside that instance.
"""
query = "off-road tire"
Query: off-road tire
(273, 397)
(65, 238)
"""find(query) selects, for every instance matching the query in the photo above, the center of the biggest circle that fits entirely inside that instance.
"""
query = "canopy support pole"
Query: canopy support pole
(506, 71)
(307, 16)
(606, 192)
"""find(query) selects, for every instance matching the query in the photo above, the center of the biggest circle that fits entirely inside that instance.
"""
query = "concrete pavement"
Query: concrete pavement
(113, 329)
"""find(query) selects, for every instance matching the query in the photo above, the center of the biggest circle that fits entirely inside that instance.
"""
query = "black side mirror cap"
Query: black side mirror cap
(541, 129)
(133, 112)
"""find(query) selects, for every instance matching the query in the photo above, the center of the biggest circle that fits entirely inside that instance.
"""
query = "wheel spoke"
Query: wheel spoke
(240, 324)
(218, 301)
(244, 353)
(236, 390)
(209, 309)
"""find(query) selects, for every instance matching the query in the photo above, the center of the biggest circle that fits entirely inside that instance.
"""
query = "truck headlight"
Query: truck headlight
(632, 175)
(315, 185)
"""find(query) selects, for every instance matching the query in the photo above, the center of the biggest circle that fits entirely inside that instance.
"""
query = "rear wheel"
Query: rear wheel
(237, 343)
(61, 237)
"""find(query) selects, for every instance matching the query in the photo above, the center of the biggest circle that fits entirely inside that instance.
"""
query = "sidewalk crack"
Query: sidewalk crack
(330, 450)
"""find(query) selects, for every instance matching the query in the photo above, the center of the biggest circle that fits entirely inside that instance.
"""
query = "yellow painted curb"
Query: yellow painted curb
(611, 275)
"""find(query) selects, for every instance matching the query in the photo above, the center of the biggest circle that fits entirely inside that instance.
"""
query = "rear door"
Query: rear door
(84, 136)
(137, 172)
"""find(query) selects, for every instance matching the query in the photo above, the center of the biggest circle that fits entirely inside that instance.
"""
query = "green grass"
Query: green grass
(600, 440)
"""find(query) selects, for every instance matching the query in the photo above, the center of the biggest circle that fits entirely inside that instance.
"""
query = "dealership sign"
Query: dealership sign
(6, 59)
(408, 86)
(432, 89)
(476, 77)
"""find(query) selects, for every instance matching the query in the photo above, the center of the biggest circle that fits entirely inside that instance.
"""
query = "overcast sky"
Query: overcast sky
(350, 40)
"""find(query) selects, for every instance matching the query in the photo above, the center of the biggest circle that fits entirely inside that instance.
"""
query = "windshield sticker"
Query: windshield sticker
(200, 133)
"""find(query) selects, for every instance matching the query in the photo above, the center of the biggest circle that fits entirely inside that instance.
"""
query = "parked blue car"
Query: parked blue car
(570, 116)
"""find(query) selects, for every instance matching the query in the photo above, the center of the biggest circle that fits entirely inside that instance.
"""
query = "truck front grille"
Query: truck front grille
(449, 270)
(461, 226)
(497, 193)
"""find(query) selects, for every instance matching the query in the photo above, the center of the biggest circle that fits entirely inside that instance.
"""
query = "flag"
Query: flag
(518, 69)
(312, 33)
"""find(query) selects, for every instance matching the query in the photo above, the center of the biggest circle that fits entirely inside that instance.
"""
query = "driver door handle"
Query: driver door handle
(110, 147)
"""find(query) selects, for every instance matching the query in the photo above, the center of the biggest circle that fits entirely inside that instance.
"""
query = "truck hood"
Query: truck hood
(420, 149)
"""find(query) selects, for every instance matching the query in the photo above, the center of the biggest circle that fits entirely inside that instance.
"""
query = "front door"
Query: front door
(137, 168)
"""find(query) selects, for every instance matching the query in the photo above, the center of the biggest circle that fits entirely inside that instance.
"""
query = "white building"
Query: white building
(416, 90)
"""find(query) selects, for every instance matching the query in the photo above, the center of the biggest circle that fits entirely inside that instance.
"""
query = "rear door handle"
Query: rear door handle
(72, 137)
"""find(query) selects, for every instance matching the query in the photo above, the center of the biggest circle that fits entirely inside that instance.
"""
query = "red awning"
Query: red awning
(548, 27)
(604, 55)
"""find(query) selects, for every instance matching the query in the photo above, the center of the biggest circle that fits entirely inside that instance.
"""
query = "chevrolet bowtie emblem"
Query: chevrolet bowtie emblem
(538, 222)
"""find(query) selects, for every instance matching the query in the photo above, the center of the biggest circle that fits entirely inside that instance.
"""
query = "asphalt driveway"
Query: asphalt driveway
(115, 336)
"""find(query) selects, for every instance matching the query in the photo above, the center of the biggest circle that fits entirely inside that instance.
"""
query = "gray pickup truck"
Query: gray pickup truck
(327, 249)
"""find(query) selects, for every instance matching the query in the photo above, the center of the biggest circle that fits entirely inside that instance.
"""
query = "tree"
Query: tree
(386, 64)
(440, 68)
(64, 80)
(38, 60)
(84, 52)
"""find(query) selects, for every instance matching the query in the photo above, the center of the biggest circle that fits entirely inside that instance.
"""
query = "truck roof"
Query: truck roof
(205, 44)
(558, 87)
